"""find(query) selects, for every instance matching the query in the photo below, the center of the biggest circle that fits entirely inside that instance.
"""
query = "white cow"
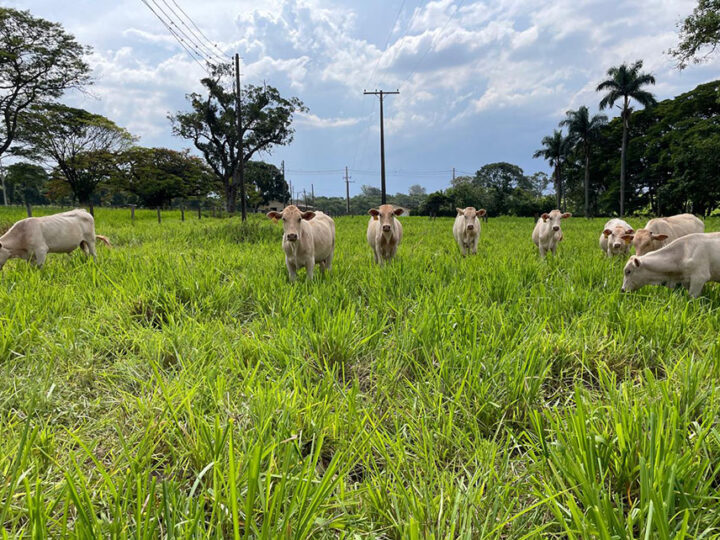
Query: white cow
(612, 240)
(659, 232)
(547, 232)
(35, 237)
(308, 239)
(384, 232)
(466, 229)
(693, 260)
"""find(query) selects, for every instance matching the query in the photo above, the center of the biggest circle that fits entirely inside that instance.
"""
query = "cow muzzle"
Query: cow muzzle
(556, 228)
(471, 227)
(622, 289)
(291, 237)
(386, 228)
(617, 245)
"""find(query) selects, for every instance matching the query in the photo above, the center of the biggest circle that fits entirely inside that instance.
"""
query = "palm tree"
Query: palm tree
(626, 82)
(583, 130)
(554, 150)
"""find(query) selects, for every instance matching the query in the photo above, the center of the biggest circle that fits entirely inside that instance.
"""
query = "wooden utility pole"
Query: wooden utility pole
(453, 174)
(381, 93)
(347, 189)
(305, 198)
(239, 170)
(2, 176)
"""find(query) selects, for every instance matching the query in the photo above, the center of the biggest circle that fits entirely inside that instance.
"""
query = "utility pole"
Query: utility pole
(453, 174)
(282, 169)
(239, 170)
(2, 176)
(347, 189)
(381, 93)
(312, 194)
(305, 198)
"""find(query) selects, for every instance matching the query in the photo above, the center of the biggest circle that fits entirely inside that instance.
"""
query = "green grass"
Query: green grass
(182, 388)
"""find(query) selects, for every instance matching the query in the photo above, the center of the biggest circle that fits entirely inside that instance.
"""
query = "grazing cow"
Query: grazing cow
(35, 237)
(466, 229)
(547, 232)
(692, 260)
(308, 239)
(612, 240)
(384, 232)
(661, 231)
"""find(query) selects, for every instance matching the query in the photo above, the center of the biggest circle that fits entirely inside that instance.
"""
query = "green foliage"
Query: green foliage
(555, 149)
(181, 387)
(266, 183)
(211, 125)
(80, 144)
(38, 62)
(700, 30)
(25, 183)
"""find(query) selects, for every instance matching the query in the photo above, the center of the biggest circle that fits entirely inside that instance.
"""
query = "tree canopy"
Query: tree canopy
(38, 62)
(699, 31)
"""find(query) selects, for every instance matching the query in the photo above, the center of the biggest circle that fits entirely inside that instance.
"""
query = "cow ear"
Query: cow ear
(636, 261)
(274, 215)
(607, 232)
(628, 238)
(308, 215)
(630, 231)
(480, 213)
(660, 237)
(399, 211)
(566, 215)
(460, 210)
(545, 217)
(374, 212)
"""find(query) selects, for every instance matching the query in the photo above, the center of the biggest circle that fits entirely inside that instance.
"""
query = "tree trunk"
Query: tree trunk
(587, 183)
(623, 151)
(558, 187)
(231, 197)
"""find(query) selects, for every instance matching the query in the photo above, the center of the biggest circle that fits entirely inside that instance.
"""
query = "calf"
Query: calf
(35, 237)
(692, 260)
(659, 232)
(466, 229)
(308, 239)
(547, 232)
(384, 232)
(612, 239)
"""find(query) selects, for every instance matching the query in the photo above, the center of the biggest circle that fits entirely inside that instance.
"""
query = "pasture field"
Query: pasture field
(182, 388)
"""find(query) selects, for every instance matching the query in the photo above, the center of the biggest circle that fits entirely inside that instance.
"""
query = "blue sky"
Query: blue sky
(479, 81)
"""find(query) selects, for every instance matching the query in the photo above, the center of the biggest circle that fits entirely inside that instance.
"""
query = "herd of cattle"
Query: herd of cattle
(668, 251)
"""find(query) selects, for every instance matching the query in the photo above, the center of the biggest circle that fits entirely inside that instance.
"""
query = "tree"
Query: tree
(268, 183)
(38, 62)
(25, 182)
(158, 175)
(80, 144)
(212, 126)
(626, 82)
(699, 30)
(554, 150)
(583, 131)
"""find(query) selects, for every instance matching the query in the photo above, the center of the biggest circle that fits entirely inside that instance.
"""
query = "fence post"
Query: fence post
(199, 211)
(182, 212)
(132, 213)
(29, 209)
(159, 218)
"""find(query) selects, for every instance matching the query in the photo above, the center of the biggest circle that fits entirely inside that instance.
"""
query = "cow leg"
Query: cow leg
(696, 285)
(328, 261)
(542, 250)
(91, 248)
(309, 266)
(40, 254)
(553, 248)
(291, 270)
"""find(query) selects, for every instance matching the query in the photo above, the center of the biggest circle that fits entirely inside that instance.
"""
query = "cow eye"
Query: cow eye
(627, 272)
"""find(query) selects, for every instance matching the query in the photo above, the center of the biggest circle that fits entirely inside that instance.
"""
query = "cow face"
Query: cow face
(645, 241)
(469, 214)
(554, 218)
(292, 219)
(632, 275)
(386, 215)
(616, 238)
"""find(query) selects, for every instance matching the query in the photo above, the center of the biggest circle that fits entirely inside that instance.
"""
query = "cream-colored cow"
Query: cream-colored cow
(547, 233)
(659, 232)
(466, 229)
(384, 232)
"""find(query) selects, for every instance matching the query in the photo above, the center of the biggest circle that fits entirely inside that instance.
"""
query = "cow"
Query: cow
(34, 237)
(466, 229)
(659, 232)
(692, 260)
(308, 239)
(547, 232)
(612, 240)
(384, 232)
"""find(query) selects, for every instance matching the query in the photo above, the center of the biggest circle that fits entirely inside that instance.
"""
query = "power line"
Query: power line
(201, 32)
(177, 38)
(208, 51)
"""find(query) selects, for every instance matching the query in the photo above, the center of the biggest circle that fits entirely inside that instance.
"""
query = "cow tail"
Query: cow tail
(104, 239)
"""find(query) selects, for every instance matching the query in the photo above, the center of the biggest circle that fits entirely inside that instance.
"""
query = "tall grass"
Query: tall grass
(183, 388)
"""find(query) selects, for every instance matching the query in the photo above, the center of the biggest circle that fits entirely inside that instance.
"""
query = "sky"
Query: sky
(479, 81)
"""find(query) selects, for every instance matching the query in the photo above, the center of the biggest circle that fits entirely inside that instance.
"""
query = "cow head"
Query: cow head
(616, 238)
(554, 218)
(469, 214)
(292, 219)
(4, 255)
(385, 213)
(632, 275)
(645, 241)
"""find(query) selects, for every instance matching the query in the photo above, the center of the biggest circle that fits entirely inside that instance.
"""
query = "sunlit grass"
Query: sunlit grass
(182, 388)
